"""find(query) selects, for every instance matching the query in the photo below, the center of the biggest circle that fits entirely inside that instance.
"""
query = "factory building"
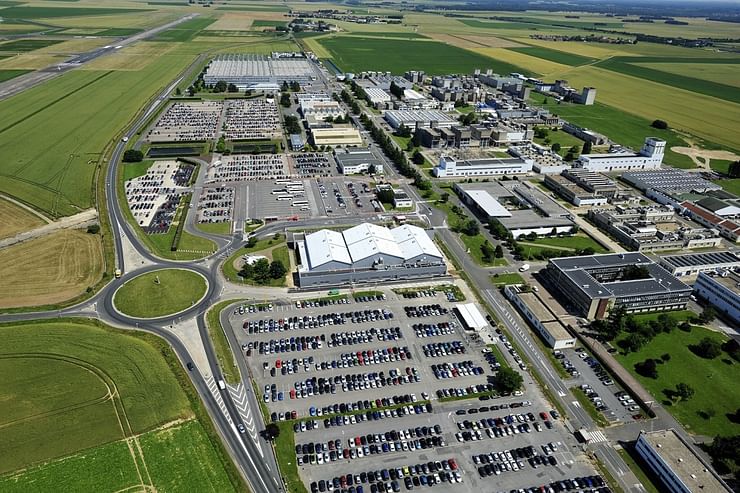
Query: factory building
(248, 71)
(419, 118)
(691, 264)
(366, 254)
(669, 180)
(356, 160)
(595, 284)
(649, 157)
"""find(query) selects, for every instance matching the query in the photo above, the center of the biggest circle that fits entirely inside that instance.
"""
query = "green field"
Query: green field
(622, 127)
(568, 244)
(408, 35)
(228, 268)
(627, 66)
(499, 25)
(11, 74)
(160, 293)
(185, 31)
(355, 54)
(724, 73)
(508, 278)
(25, 45)
(263, 23)
(220, 344)
(57, 383)
(565, 140)
(134, 170)
(554, 55)
(222, 228)
(25, 12)
(731, 185)
(118, 31)
(711, 380)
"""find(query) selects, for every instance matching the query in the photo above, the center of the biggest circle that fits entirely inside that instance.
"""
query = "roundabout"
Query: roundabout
(160, 293)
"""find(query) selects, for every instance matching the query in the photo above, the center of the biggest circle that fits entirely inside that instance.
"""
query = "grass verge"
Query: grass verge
(224, 354)
(589, 407)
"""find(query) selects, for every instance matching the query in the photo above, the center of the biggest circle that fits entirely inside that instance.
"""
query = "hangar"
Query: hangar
(367, 253)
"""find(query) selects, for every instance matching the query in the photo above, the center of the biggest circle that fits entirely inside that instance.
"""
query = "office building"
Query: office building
(595, 284)
(547, 324)
(722, 291)
(356, 160)
(336, 136)
(366, 254)
(649, 157)
(691, 264)
(676, 464)
(451, 168)
(585, 134)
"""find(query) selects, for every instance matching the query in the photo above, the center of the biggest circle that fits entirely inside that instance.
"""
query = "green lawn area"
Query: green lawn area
(228, 268)
(222, 228)
(26, 12)
(224, 354)
(620, 126)
(565, 140)
(711, 379)
(11, 74)
(568, 244)
(589, 407)
(556, 56)
(474, 244)
(719, 165)
(160, 293)
(134, 170)
(286, 459)
(263, 23)
(355, 54)
(25, 45)
(508, 278)
(731, 185)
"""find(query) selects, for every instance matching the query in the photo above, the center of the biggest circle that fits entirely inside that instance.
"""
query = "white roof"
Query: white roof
(413, 242)
(490, 206)
(326, 246)
(368, 239)
(471, 316)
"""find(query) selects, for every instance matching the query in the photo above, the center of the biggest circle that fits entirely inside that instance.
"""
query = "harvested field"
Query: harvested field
(30, 61)
(16, 219)
(535, 64)
(470, 42)
(51, 269)
(134, 57)
(232, 21)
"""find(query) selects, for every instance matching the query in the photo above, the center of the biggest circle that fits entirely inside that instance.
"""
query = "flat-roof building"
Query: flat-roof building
(595, 284)
(450, 168)
(691, 264)
(669, 180)
(355, 160)
(649, 157)
(572, 192)
(336, 136)
(420, 118)
(367, 253)
(676, 464)
(250, 71)
(537, 313)
(321, 109)
(470, 316)
(728, 229)
(722, 291)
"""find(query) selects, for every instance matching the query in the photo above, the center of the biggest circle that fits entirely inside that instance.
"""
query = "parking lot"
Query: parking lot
(357, 375)
(154, 196)
(341, 195)
(188, 122)
(215, 205)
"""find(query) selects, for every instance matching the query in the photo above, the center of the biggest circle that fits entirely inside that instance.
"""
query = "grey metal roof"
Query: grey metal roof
(698, 259)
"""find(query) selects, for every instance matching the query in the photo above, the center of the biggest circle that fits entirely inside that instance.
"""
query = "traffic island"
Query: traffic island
(160, 293)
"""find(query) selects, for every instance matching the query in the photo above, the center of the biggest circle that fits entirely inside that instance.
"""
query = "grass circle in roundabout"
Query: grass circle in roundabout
(160, 293)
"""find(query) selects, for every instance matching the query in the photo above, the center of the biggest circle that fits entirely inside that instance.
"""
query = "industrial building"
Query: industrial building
(585, 134)
(582, 187)
(336, 136)
(595, 284)
(652, 229)
(527, 210)
(545, 161)
(470, 316)
(541, 317)
(649, 157)
(418, 118)
(560, 87)
(722, 291)
(451, 168)
(727, 228)
(249, 71)
(378, 97)
(691, 264)
(321, 109)
(669, 180)
(355, 160)
(367, 253)
(676, 464)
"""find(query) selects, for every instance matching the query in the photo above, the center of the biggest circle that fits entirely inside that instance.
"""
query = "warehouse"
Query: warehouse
(377, 96)
(258, 71)
(595, 284)
(669, 180)
(450, 168)
(421, 118)
(336, 136)
(649, 157)
(537, 313)
(691, 264)
(367, 253)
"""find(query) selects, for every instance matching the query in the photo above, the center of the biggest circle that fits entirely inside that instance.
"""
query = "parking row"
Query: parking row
(595, 484)
(364, 336)
(376, 415)
(434, 310)
(457, 369)
(434, 330)
(440, 349)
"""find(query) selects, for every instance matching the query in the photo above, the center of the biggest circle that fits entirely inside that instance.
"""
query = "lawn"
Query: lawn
(25, 45)
(589, 407)
(50, 269)
(11, 74)
(565, 140)
(731, 185)
(220, 344)
(228, 268)
(286, 459)
(55, 388)
(474, 244)
(568, 244)
(16, 219)
(222, 228)
(160, 293)
(508, 278)
(355, 54)
(711, 380)
(185, 31)
(554, 55)
(622, 127)
(134, 170)
(25, 12)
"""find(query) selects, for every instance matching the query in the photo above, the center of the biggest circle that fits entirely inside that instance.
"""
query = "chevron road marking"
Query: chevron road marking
(239, 396)
(213, 387)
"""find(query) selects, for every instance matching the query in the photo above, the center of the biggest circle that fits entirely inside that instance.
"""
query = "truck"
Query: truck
(524, 268)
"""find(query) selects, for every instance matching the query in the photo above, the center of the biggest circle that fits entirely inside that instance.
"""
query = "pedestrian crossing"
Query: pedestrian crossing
(597, 436)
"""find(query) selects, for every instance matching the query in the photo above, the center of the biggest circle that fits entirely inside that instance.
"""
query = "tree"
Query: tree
(733, 171)
(232, 88)
(371, 169)
(191, 91)
(445, 197)
(684, 391)
(659, 124)
(541, 132)
(635, 272)
(220, 86)
(295, 86)
(470, 227)
(93, 229)
(292, 125)
(221, 144)
(555, 147)
(261, 271)
(133, 156)
(417, 158)
(272, 431)
(385, 195)
(488, 251)
(498, 252)
(251, 242)
(277, 270)
(284, 87)
(508, 380)
(586, 147)
(247, 271)
(285, 100)
(707, 348)
(178, 92)
(569, 156)
(707, 315)
(647, 368)
(403, 131)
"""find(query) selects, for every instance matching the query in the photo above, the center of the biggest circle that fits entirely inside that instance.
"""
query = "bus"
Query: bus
(284, 197)
(300, 203)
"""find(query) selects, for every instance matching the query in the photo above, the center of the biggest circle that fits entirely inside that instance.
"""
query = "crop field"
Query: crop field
(11, 74)
(16, 219)
(57, 177)
(696, 114)
(355, 54)
(723, 73)
(533, 64)
(474, 41)
(30, 61)
(554, 55)
(185, 31)
(626, 66)
(133, 57)
(25, 12)
(159, 293)
(49, 269)
(118, 31)
(263, 23)
(709, 378)
(101, 410)
(11, 28)
(25, 45)
(134, 19)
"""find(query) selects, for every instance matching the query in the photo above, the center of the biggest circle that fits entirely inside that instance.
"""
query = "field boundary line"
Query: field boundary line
(25, 207)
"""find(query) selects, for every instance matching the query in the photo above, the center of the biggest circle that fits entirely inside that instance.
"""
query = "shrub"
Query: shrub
(133, 156)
